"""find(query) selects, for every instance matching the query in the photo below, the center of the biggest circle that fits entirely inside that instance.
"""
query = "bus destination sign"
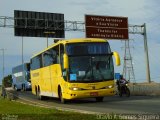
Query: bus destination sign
(106, 27)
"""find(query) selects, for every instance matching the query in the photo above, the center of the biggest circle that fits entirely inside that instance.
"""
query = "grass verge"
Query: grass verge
(19, 111)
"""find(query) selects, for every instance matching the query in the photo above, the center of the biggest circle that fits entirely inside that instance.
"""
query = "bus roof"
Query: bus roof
(76, 40)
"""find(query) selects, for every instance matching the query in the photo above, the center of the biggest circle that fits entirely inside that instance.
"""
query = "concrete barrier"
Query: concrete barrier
(11, 93)
(152, 89)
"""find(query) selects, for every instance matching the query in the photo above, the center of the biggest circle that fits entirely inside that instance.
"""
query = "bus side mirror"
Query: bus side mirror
(117, 58)
(65, 61)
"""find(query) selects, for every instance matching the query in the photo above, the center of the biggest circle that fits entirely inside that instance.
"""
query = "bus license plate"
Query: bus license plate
(94, 94)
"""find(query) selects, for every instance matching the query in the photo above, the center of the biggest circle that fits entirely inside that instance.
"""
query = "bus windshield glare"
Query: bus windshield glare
(90, 62)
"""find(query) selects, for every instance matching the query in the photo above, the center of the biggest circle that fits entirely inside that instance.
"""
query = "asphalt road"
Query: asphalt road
(114, 104)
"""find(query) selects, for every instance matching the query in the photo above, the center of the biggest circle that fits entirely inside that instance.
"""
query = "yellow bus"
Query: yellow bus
(76, 68)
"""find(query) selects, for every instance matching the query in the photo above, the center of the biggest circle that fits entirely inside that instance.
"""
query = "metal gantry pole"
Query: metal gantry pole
(3, 68)
(3, 63)
(47, 41)
(146, 55)
(48, 33)
(23, 73)
(22, 51)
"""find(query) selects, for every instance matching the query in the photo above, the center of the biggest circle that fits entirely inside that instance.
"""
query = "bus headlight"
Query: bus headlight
(110, 86)
(75, 88)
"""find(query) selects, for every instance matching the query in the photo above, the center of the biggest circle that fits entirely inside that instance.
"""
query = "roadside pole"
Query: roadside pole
(146, 55)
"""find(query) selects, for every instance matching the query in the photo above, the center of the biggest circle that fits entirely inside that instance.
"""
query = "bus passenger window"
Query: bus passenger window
(54, 55)
(36, 62)
(50, 57)
(47, 59)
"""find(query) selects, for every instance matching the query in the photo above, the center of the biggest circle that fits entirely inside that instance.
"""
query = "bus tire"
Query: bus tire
(15, 88)
(61, 96)
(39, 96)
(99, 99)
(23, 87)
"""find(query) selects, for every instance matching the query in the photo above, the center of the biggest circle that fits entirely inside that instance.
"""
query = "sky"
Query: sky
(137, 11)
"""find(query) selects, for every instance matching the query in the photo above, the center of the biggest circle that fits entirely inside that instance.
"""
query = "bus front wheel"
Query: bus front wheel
(99, 99)
(61, 96)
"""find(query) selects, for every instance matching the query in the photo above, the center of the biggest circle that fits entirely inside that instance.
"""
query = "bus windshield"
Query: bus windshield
(87, 49)
(90, 62)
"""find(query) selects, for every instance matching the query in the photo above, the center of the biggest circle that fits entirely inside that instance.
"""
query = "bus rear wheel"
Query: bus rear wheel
(39, 96)
(23, 87)
(15, 88)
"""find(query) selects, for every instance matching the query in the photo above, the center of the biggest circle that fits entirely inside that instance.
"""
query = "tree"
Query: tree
(7, 81)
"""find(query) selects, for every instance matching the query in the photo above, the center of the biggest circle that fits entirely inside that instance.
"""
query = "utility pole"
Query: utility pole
(3, 49)
(146, 55)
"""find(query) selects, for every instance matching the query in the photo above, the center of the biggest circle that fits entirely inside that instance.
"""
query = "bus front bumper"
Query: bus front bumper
(74, 94)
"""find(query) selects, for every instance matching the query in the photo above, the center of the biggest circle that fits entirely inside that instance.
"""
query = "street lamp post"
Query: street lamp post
(2, 49)
(47, 33)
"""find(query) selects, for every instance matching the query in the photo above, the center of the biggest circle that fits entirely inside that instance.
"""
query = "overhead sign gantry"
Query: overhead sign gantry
(36, 24)
(108, 27)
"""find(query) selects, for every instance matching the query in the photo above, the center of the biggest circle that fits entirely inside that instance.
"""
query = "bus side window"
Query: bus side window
(49, 57)
(36, 62)
(56, 53)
